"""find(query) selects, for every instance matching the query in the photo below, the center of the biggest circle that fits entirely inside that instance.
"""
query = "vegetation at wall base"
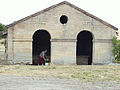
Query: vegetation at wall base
(116, 49)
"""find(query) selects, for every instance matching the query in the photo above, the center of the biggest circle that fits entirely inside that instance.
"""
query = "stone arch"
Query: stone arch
(41, 41)
(84, 48)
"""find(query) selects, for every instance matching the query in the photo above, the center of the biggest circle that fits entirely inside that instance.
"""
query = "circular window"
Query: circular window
(63, 19)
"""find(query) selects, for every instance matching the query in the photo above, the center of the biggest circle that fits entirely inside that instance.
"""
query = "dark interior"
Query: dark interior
(63, 19)
(41, 42)
(84, 48)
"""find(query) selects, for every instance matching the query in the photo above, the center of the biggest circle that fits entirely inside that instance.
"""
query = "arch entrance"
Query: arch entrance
(41, 42)
(84, 48)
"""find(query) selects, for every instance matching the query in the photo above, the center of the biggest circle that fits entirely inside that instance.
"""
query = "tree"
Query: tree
(116, 49)
(2, 28)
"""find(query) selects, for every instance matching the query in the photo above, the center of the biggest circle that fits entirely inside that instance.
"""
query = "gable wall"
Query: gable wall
(49, 21)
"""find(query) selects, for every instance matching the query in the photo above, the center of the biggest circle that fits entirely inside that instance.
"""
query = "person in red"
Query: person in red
(42, 56)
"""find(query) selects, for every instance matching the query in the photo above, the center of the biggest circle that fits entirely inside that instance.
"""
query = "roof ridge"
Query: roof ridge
(61, 3)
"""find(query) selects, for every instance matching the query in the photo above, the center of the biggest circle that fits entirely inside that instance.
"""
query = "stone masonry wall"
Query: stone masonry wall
(63, 51)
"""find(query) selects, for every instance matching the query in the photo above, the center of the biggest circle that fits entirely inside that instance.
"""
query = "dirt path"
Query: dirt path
(43, 83)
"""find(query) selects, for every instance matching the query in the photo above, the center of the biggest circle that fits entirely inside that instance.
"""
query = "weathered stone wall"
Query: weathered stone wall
(3, 56)
(63, 50)
(103, 52)
(2, 49)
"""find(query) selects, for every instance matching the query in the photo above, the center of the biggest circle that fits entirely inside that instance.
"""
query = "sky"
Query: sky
(13, 10)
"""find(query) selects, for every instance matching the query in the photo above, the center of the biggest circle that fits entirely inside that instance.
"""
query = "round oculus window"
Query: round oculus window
(63, 19)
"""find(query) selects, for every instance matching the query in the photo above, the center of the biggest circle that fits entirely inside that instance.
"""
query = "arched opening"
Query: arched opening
(84, 48)
(41, 42)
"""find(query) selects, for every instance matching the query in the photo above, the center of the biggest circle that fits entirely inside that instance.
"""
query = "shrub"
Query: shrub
(2, 28)
(116, 49)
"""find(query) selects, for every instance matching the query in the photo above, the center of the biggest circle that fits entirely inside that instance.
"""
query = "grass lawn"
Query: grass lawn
(83, 72)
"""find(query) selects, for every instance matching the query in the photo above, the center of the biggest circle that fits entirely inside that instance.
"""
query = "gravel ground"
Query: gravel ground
(50, 83)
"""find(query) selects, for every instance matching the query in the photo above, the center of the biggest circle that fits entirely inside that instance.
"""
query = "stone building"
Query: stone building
(70, 34)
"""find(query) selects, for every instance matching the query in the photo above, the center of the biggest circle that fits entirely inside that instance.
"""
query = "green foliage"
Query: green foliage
(116, 49)
(0, 35)
(2, 28)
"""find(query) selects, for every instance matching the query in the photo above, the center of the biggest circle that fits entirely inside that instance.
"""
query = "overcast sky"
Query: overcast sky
(13, 10)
